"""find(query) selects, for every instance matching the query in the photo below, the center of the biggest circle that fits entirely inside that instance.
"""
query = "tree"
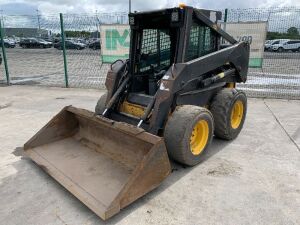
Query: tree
(293, 31)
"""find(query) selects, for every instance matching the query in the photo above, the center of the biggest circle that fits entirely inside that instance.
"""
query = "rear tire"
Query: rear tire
(100, 107)
(229, 108)
(188, 133)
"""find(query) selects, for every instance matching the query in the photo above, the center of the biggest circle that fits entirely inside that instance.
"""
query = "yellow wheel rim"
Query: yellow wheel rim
(199, 137)
(237, 114)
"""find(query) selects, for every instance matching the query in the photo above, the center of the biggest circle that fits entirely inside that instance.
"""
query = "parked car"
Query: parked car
(48, 39)
(270, 43)
(291, 45)
(34, 43)
(9, 43)
(95, 45)
(16, 40)
(56, 40)
(82, 41)
(69, 44)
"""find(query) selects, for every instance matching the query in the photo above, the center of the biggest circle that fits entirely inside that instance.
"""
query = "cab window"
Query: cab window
(202, 41)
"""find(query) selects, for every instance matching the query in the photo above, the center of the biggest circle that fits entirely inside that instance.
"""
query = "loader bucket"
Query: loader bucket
(105, 164)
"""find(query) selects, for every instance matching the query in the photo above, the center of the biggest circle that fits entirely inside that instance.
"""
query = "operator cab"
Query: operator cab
(155, 36)
(158, 39)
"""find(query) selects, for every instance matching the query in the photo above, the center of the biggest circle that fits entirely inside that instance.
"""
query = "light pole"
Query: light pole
(38, 18)
(2, 17)
(98, 24)
(129, 6)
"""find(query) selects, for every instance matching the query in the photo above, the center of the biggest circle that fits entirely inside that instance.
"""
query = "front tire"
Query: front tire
(100, 107)
(188, 133)
(229, 108)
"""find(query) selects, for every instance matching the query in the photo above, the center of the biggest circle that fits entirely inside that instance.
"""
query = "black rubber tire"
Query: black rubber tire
(280, 49)
(178, 131)
(221, 109)
(100, 107)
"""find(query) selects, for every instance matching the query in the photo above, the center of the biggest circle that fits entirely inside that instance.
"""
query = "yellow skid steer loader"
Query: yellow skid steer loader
(176, 91)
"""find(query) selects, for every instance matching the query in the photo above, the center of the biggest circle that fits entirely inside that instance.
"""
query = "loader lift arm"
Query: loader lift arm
(175, 83)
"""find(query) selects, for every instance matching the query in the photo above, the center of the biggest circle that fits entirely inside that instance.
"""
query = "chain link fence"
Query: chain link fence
(33, 46)
(85, 67)
(30, 58)
(32, 61)
(279, 75)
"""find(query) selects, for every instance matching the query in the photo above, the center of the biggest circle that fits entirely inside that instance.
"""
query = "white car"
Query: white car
(44, 41)
(291, 45)
(269, 43)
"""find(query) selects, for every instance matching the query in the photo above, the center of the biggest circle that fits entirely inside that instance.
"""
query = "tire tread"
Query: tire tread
(175, 132)
(221, 109)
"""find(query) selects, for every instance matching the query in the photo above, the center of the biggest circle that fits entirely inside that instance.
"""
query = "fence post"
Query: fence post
(225, 16)
(4, 54)
(64, 48)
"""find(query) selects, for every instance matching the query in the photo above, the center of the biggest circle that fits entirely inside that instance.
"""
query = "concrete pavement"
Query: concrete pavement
(254, 179)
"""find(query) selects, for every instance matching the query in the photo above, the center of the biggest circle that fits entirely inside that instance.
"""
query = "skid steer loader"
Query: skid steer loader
(176, 91)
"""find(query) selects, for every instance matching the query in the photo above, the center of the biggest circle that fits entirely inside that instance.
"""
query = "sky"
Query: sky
(25, 7)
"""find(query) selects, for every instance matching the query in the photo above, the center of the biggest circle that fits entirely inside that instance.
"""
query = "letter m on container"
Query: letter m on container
(115, 38)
